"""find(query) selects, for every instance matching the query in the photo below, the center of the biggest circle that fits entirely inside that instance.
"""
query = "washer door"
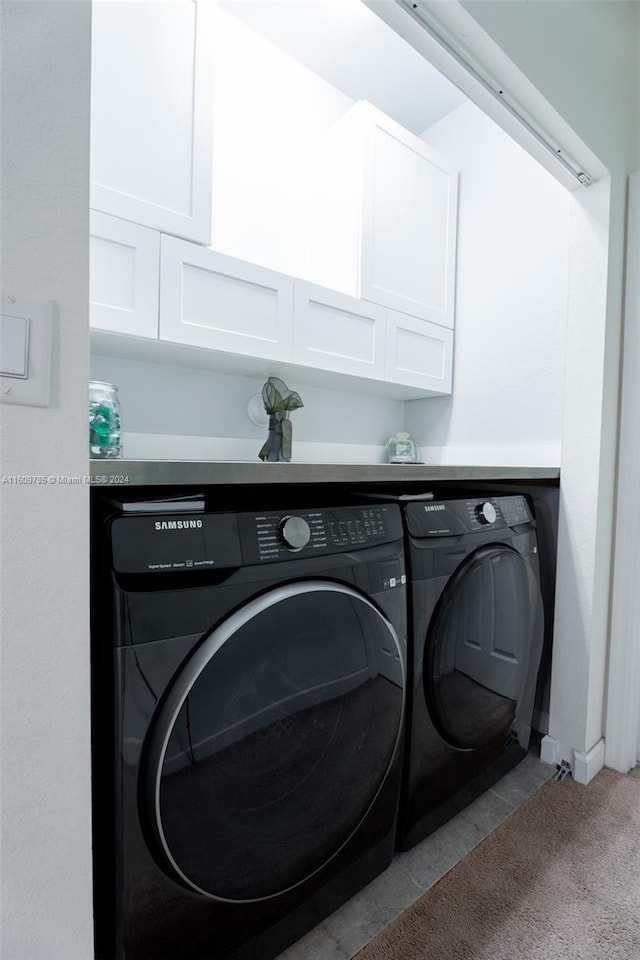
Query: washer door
(478, 647)
(273, 741)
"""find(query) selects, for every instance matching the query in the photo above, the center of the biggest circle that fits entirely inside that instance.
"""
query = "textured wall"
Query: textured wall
(46, 908)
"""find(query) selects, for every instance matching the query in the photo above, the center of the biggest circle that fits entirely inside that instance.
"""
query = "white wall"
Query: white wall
(623, 701)
(46, 900)
(634, 165)
(270, 116)
(345, 43)
(511, 304)
(583, 57)
(205, 404)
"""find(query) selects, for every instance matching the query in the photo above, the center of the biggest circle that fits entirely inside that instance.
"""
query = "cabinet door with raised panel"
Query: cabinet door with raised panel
(210, 300)
(152, 113)
(419, 353)
(124, 276)
(409, 220)
(333, 331)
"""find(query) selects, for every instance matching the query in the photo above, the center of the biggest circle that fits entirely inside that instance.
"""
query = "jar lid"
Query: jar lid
(102, 383)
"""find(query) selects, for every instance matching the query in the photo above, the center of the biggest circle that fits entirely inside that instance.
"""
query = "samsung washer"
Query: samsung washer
(248, 683)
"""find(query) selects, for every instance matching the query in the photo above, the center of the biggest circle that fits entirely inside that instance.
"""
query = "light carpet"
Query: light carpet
(558, 880)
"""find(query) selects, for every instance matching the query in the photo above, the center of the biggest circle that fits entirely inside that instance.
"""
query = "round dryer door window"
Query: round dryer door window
(273, 741)
(477, 647)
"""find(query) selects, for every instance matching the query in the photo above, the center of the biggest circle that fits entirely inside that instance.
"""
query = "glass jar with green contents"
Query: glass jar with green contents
(104, 421)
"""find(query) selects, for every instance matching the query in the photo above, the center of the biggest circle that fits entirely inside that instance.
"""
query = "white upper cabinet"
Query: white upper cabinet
(152, 113)
(124, 276)
(418, 353)
(386, 214)
(279, 225)
(335, 332)
(210, 300)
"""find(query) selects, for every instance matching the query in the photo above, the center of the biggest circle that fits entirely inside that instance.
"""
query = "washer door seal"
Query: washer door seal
(478, 647)
(273, 741)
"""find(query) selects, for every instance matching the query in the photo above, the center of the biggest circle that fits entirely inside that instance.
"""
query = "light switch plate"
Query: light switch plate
(14, 346)
(26, 350)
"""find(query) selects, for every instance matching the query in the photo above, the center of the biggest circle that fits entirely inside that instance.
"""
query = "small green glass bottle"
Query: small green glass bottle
(104, 421)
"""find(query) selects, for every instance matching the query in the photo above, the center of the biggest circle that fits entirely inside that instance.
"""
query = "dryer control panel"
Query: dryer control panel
(277, 535)
(456, 517)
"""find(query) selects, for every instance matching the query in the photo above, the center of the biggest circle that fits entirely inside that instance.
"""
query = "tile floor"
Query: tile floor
(356, 923)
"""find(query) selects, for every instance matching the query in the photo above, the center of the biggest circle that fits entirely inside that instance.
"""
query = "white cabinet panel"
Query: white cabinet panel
(419, 354)
(336, 332)
(210, 300)
(152, 113)
(409, 222)
(124, 265)
(386, 217)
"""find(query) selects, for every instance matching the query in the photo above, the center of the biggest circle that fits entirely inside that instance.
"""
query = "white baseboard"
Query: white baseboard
(550, 751)
(586, 765)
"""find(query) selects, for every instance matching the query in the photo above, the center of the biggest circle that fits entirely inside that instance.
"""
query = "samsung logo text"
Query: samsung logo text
(178, 524)
(436, 506)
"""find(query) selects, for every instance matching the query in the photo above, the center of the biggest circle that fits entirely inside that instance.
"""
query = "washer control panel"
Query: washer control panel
(276, 536)
(295, 532)
(358, 527)
(172, 542)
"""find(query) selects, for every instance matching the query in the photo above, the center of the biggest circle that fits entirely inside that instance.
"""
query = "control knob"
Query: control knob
(295, 532)
(486, 512)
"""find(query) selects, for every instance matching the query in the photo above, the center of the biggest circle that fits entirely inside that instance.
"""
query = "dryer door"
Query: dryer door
(478, 646)
(273, 741)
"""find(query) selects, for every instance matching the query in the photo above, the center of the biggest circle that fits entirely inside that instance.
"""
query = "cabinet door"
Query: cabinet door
(152, 113)
(210, 300)
(409, 219)
(419, 354)
(335, 332)
(124, 264)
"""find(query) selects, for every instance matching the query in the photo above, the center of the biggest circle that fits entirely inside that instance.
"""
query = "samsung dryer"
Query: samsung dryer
(248, 682)
(475, 642)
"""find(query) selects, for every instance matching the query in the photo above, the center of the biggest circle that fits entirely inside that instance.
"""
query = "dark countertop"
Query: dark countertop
(134, 473)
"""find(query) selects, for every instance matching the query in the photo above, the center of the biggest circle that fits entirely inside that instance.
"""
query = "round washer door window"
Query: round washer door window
(273, 741)
(477, 647)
